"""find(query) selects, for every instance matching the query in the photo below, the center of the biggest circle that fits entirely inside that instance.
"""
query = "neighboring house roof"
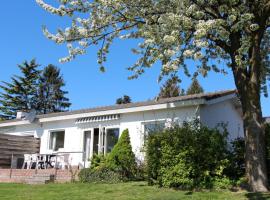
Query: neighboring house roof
(202, 96)
(267, 119)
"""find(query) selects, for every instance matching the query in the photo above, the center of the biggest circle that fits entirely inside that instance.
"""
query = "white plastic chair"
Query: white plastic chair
(27, 161)
(41, 159)
(63, 161)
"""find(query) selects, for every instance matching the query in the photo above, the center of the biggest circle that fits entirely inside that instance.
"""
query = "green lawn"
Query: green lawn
(123, 191)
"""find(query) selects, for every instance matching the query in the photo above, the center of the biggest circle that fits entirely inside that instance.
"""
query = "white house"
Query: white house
(96, 130)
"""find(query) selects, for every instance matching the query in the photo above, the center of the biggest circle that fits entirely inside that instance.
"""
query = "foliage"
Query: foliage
(51, 96)
(122, 158)
(236, 156)
(98, 161)
(195, 87)
(21, 93)
(171, 88)
(35, 90)
(99, 175)
(123, 100)
(199, 30)
(187, 157)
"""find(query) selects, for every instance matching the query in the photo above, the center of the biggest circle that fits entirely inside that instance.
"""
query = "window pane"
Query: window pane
(112, 138)
(57, 139)
(154, 126)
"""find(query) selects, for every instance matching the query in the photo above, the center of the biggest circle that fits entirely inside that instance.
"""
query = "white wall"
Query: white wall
(134, 122)
(223, 112)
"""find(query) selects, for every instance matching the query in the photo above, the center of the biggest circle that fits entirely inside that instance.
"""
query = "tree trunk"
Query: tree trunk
(248, 83)
(256, 169)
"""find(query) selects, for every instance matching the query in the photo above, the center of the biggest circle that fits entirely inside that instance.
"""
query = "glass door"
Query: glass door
(87, 145)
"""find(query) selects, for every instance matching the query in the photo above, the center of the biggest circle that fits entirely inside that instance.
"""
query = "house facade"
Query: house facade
(96, 130)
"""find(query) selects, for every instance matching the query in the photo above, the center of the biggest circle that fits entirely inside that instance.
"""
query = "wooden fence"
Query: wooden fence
(16, 146)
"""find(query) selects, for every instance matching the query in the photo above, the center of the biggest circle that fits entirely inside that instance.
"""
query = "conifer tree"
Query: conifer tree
(51, 96)
(35, 90)
(122, 157)
(171, 88)
(195, 87)
(21, 93)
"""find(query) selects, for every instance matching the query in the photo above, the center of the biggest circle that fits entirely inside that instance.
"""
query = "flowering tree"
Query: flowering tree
(232, 31)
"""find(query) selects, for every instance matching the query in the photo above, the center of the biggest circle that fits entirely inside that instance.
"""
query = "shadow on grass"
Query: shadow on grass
(189, 193)
(257, 195)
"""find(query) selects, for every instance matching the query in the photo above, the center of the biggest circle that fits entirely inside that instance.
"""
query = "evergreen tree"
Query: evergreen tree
(51, 96)
(195, 87)
(123, 100)
(21, 93)
(122, 157)
(171, 88)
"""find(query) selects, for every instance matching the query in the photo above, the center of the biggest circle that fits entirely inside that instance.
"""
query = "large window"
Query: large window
(57, 139)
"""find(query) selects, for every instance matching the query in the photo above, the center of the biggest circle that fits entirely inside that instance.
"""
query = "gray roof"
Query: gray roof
(206, 96)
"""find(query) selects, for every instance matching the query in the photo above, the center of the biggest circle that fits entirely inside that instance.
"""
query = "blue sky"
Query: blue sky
(22, 39)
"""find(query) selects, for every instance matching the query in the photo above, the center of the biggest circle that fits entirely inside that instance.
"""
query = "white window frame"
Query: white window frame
(49, 138)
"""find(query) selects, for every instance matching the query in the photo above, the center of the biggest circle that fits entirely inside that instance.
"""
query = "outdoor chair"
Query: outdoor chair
(63, 161)
(27, 162)
(41, 162)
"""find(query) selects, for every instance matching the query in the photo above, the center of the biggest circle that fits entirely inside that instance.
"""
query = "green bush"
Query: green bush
(122, 158)
(97, 161)
(187, 157)
(99, 175)
(236, 156)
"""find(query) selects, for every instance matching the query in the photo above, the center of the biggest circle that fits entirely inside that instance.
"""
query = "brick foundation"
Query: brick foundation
(23, 175)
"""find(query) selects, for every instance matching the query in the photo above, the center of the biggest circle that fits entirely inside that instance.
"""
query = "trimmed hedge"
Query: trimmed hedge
(99, 175)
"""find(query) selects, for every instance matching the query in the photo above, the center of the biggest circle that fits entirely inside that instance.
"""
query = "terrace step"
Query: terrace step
(40, 179)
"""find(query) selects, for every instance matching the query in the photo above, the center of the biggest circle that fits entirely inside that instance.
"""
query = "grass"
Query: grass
(123, 191)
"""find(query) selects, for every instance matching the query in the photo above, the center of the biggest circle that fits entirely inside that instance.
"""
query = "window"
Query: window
(112, 138)
(57, 139)
(150, 127)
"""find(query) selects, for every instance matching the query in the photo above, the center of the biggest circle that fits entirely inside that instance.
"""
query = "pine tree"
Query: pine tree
(21, 93)
(171, 88)
(195, 87)
(51, 96)
(123, 100)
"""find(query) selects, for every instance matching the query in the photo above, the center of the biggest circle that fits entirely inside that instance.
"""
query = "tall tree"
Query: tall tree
(51, 96)
(171, 88)
(195, 87)
(21, 93)
(235, 32)
(123, 100)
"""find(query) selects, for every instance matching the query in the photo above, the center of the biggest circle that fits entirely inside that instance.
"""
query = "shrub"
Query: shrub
(186, 157)
(122, 158)
(97, 161)
(99, 175)
(236, 156)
